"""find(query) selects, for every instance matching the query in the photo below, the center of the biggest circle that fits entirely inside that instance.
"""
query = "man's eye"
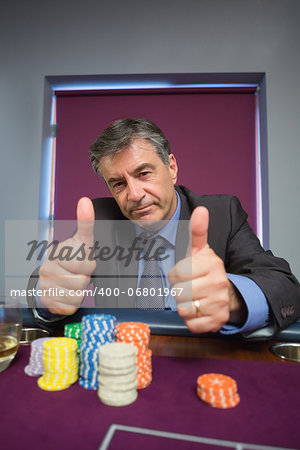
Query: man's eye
(117, 185)
(144, 174)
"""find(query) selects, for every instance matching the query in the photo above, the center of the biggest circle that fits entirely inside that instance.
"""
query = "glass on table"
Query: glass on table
(10, 330)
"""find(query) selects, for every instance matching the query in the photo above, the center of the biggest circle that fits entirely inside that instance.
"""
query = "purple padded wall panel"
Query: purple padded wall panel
(212, 135)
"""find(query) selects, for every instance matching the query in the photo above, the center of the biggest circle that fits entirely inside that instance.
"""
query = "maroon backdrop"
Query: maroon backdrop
(211, 133)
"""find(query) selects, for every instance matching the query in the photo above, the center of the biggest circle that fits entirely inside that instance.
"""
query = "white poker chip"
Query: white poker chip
(117, 379)
(117, 350)
(115, 400)
(117, 382)
(117, 387)
(115, 372)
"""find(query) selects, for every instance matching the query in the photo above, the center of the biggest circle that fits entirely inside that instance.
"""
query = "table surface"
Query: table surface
(198, 347)
(216, 347)
(75, 418)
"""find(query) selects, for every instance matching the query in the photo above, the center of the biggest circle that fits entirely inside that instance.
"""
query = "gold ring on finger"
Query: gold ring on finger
(197, 306)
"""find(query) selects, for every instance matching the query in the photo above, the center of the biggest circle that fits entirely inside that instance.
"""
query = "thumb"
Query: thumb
(85, 221)
(198, 229)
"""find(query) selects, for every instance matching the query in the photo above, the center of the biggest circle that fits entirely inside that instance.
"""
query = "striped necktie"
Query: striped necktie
(151, 283)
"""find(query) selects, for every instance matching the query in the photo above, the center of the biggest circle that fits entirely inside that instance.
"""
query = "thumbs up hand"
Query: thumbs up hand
(70, 276)
(206, 298)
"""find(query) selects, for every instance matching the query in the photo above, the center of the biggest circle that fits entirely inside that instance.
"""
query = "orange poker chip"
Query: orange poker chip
(141, 363)
(220, 402)
(218, 390)
(145, 355)
(215, 382)
(134, 325)
(144, 380)
(132, 339)
(143, 367)
(215, 396)
(138, 334)
(133, 328)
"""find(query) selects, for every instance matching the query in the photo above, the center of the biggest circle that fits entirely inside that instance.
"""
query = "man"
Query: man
(222, 279)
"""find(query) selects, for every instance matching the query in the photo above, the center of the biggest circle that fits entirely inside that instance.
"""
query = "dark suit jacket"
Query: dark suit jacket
(229, 235)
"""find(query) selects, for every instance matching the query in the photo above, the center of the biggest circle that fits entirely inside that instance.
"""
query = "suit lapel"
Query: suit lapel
(182, 237)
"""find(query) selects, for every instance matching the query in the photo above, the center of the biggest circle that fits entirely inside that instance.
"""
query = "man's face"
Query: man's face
(141, 184)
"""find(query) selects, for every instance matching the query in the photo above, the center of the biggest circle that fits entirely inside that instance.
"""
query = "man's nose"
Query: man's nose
(135, 191)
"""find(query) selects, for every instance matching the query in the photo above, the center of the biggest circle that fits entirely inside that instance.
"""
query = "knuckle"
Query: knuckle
(222, 319)
(192, 326)
(219, 262)
(78, 283)
(221, 283)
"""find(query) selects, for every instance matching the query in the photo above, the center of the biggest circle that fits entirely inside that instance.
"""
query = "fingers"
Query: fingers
(196, 266)
(199, 229)
(61, 291)
(61, 277)
(201, 280)
(70, 270)
(200, 288)
(206, 316)
(204, 325)
(85, 221)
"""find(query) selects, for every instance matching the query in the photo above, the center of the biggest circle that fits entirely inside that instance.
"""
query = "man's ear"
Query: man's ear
(173, 169)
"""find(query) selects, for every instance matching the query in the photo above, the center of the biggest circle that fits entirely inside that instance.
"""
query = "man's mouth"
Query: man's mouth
(141, 209)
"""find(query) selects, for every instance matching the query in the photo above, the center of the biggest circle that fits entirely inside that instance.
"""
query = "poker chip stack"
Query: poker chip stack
(73, 330)
(60, 363)
(117, 374)
(219, 391)
(35, 368)
(97, 330)
(138, 334)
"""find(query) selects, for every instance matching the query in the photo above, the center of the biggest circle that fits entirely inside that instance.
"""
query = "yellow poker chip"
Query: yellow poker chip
(60, 364)
(51, 387)
(58, 359)
(61, 342)
(62, 356)
(60, 369)
(53, 379)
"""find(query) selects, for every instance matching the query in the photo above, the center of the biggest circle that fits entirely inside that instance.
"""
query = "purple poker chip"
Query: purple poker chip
(35, 368)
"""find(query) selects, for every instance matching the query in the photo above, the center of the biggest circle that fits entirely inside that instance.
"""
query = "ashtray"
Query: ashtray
(30, 334)
(289, 351)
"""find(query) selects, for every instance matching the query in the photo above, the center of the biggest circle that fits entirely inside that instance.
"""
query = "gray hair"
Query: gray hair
(121, 133)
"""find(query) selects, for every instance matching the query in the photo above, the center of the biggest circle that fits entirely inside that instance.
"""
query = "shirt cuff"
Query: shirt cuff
(256, 303)
(43, 311)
